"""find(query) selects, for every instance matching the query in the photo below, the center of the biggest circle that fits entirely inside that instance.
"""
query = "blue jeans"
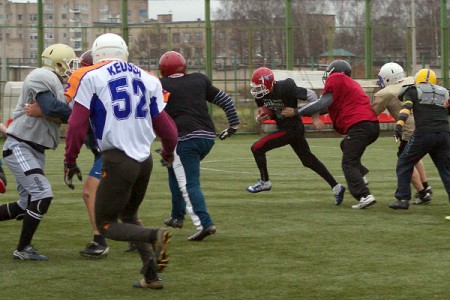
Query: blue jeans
(437, 144)
(187, 169)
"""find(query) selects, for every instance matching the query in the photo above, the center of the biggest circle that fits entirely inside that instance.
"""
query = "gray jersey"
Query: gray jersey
(37, 130)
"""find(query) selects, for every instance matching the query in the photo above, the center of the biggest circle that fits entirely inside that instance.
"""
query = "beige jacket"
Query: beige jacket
(386, 99)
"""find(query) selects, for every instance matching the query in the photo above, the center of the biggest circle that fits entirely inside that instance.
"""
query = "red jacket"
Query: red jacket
(351, 104)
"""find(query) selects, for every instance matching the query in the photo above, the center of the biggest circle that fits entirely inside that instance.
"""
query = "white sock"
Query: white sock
(337, 188)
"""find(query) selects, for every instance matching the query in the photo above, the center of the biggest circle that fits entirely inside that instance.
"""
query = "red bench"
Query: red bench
(382, 118)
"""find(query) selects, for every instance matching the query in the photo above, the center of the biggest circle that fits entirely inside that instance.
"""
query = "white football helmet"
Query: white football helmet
(390, 73)
(60, 59)
(109, 46)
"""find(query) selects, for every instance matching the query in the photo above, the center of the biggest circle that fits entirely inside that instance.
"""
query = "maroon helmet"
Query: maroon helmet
(171, 63)
(86, 59)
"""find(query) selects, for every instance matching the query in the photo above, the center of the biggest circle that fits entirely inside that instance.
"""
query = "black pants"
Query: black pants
(121, 191)
(437, 144)
(294, 137)
(359, 136)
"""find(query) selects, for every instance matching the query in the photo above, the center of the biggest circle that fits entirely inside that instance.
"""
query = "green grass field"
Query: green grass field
(289, 243)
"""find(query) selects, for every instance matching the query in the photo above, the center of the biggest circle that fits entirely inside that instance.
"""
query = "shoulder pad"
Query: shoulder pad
(403, 90)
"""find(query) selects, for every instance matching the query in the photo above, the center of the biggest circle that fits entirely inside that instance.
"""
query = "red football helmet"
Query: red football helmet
(86, 59)
(171, 63)
(262, 82)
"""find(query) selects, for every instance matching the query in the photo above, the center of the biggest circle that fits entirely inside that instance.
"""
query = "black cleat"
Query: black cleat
(94, 250)
(174, 223)
(201, 234)
(399, 204)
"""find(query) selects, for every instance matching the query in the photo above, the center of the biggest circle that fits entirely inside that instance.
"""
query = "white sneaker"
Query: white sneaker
(365, 202)
(260, 186)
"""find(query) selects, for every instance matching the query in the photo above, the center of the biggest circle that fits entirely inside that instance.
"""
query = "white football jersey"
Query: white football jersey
(122, 99)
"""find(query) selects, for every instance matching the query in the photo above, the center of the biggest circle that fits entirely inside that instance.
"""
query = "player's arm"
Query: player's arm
(406, 95)
(166, 129)
(51, 107)
(224, 101)
(76, 132)
(311, 108)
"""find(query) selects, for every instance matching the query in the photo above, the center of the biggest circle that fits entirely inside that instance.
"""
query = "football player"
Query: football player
(28, 138)
(352, 115)
(188, 106)
(428, 102)
(124, 105)
(390, 80)
(277, 95)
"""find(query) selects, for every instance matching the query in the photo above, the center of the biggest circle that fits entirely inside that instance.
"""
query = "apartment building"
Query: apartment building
(65, 21)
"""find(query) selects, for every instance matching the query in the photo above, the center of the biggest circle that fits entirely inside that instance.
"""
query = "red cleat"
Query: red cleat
(2, 186)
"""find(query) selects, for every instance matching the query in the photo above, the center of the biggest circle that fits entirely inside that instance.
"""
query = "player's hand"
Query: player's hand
(262, 117)
(69, 171)
(288, 112)
(227, 132)
(318, 124)
(166, 158)
(33, 109)
(398, 133)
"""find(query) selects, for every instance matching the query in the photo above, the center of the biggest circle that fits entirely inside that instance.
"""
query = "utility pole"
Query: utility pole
(4, 43)
(413, 38)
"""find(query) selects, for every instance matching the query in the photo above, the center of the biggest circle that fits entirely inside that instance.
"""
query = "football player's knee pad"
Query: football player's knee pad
(11, 211)
(40, 207)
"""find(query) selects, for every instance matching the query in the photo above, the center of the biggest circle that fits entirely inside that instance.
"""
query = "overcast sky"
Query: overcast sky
(182, 10)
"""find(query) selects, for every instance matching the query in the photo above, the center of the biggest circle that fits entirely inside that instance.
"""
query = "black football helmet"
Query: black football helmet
(340, 66)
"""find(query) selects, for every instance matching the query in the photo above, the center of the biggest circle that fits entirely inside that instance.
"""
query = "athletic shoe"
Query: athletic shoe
(2, 186)
(339, 191)
(131, 247)
(155, 284)
(95, 250)
(200, 235)
(29, 253)
(174, 223)
(160, 248)
(365, 202)
(260, 186)
(400, 204)
(422, 198)
(429, 190)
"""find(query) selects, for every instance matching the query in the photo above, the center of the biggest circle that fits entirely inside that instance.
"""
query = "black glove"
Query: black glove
(69, 171)
(398, 132)
(167, 158)
(227, 132)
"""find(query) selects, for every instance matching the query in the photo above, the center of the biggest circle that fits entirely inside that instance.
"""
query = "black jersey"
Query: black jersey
(428, 117)
(285, 93)
(187, 105)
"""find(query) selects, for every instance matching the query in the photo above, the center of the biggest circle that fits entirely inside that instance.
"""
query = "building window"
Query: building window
(198, 36)
(48, 6)
(33, 17)
(19, 17)
(48, 16)
(153, 38)
(186, 37)
(176, 38)
(143, 13)
(63, 16)
(48, 36)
